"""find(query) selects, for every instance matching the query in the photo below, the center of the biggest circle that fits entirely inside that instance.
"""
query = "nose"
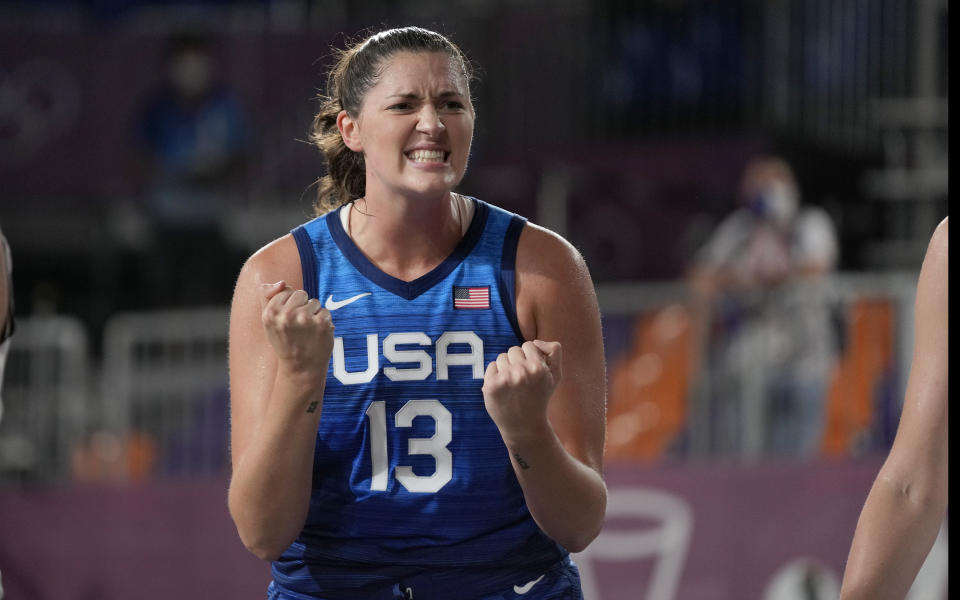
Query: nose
(430, 122)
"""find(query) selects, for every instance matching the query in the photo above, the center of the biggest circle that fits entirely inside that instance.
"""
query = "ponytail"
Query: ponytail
(345, 180)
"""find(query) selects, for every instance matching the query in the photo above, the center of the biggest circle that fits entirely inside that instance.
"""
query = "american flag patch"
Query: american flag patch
(471, 297)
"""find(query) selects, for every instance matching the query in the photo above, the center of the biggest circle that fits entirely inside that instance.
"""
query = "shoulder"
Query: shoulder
(815, 236)
(732, 229)
(4, 249)
(553, 281)
(730, 233)
(6, 291)
(543, 253)
(814, 218)
(278, 260)
(939, 242)
(740, 221)
(935, 271)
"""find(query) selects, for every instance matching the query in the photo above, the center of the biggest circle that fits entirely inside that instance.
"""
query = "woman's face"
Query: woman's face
(415, 126)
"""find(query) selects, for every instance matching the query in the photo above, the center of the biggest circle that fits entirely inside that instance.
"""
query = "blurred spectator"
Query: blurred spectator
(194, 141)
(772, 342)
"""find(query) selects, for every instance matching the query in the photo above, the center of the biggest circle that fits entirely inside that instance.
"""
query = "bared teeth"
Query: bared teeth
(426, 155)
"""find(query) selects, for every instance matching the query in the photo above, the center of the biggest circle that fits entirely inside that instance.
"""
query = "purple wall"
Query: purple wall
(176, 540)
(746, 524)
(145, 541)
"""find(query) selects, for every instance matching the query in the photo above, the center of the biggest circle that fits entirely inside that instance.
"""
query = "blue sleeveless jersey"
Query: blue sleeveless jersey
(412, 484)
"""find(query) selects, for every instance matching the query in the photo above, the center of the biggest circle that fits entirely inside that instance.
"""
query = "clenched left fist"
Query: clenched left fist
(518, 385)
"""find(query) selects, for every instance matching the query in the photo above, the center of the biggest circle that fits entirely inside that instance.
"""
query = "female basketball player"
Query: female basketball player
(908, 500)
(417, 377)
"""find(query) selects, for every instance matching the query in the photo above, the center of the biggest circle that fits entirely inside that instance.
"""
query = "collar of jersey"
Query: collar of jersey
(409, 289)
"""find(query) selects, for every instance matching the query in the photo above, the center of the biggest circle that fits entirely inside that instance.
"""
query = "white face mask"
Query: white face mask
(190, 73)
(777, 202)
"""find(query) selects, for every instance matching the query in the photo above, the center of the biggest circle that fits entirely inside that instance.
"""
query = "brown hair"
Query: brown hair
(356, 70)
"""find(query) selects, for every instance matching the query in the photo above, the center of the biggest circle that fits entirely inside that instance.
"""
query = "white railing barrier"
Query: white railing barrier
(164, 377)
(45, 397)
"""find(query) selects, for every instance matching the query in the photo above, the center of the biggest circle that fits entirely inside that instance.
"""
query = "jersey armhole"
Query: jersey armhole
(508, 272)
(308, 260)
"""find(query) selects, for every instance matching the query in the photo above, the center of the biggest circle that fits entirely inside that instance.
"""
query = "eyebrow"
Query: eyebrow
(413, 96)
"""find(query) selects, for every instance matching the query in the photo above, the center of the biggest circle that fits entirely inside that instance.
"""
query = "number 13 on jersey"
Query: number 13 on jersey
(435, 446)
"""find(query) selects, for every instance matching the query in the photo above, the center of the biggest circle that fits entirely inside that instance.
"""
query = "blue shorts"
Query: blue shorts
(559, 582)
(562, 582)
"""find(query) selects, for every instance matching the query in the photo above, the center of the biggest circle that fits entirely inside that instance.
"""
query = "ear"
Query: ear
(349, 131)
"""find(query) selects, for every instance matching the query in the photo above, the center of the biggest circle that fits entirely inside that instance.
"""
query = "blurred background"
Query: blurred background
(752, 183)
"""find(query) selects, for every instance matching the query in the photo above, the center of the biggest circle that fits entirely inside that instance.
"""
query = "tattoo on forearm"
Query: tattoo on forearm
(523, 464)
(313, 406)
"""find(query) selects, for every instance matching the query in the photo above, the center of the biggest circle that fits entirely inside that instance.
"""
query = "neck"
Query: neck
(406, 238)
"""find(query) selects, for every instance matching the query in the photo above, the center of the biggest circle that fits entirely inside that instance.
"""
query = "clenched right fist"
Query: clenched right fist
(299, 328)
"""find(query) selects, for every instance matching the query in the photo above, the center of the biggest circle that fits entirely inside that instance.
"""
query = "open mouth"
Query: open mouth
(428, 156)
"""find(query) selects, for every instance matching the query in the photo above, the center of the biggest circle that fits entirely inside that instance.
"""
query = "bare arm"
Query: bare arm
(4, 287)
(279, 351)
(907, 502)
(548, 396)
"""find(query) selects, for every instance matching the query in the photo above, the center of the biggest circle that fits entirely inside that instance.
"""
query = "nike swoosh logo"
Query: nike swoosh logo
(332, 304)
(523, 589)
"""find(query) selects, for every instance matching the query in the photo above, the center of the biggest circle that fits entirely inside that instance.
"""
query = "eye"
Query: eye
(400, 106)
(454, 105)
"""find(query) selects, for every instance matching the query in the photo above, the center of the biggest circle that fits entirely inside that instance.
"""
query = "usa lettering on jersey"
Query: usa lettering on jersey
(420, 358)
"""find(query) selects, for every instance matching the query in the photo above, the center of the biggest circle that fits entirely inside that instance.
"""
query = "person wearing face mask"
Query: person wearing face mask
(760, 282)
(193, 142)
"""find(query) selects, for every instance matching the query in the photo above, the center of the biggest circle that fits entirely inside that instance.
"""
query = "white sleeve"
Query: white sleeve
(816, 239)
